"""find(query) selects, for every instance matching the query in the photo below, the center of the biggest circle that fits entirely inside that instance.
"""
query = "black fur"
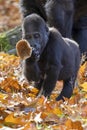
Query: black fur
(60, 15)
(80, 34)
(33, 6)
(59, 57)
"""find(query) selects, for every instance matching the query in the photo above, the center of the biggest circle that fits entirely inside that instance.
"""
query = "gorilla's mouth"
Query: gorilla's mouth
(36, 54)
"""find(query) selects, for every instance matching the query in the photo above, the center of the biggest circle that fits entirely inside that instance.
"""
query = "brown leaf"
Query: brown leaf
(73, 125)
(30, 126)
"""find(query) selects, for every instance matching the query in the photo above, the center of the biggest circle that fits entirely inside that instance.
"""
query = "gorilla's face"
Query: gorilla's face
(36, 33)
(34, 38)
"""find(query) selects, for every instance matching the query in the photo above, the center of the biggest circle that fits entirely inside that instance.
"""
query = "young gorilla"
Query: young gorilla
(53, 57)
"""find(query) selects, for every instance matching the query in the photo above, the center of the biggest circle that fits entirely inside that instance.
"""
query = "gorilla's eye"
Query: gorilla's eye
(29, 36)
(36, 35)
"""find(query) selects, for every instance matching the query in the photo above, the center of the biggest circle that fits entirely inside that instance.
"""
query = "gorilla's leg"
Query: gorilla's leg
(67, 89)
(81, 38)
(39, 85)
(80, 33)
(50, 80)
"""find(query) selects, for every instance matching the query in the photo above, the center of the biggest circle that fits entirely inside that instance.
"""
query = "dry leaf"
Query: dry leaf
(73, 125)
(23, 48)
(84, 86)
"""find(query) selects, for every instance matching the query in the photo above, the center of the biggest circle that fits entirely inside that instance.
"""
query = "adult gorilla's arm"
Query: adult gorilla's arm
(60, 15)
(33, 6)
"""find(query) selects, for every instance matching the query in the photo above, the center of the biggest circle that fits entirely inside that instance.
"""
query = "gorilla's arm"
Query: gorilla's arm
(31, 70)
(51, 78)
(33, 6)
(60, 15)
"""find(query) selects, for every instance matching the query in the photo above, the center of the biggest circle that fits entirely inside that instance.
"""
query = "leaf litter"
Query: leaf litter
(21, 109)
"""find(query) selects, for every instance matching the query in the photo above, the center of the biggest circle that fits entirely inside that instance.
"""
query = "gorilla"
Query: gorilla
(80, 34)
(53, 57)
(57, 13)
(33, 6)
(68, 16)
(60, 15)
(80, 25)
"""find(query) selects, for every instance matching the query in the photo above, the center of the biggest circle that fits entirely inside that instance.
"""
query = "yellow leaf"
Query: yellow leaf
(84, 86)
(57, 111)
(15, 120)
(86, 95)
(3, 96)
(34, 90)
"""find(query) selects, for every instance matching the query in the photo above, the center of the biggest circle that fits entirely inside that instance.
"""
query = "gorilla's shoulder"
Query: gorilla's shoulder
(54, 33)
(53, 30)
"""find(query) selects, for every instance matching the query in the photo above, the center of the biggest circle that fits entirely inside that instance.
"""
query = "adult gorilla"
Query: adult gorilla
(33, 6)
(70, 17)
(57, 13)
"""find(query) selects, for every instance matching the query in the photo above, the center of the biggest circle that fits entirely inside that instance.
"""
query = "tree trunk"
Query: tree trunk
(9, 39)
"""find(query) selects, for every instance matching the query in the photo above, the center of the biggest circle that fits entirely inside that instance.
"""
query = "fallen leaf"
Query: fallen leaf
(73, 125)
